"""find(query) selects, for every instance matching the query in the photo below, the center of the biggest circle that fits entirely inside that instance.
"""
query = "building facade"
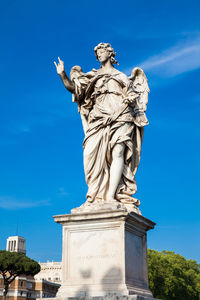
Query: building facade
(16, 244)
(27, 288)
(50, 271)
(43, 285)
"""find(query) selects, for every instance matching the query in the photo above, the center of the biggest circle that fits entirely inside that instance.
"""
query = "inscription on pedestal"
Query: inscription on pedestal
(101, 255)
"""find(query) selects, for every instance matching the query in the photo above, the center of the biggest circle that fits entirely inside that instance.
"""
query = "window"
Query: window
(29, 285)
(28, 295)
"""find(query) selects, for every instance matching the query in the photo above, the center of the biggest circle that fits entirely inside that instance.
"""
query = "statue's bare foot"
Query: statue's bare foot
(111, 199)
(89, 200)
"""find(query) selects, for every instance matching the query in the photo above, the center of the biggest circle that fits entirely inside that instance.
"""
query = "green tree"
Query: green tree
(13, 264)
(172, 277)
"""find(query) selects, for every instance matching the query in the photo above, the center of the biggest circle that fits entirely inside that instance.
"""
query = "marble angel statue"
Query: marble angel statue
(112, 108)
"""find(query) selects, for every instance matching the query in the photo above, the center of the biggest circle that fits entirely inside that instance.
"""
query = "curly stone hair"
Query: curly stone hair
(107, 47)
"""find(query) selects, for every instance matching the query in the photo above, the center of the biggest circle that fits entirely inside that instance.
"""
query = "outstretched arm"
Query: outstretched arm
(65, 79)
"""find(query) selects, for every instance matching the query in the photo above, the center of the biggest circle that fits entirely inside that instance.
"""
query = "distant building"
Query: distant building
(27, 288)
(16, 244)
(43, 285)
(50, 271)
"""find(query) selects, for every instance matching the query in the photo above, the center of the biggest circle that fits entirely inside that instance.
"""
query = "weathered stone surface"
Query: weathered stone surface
(112, 108)
(104, 252)
(109, 297)
(104, 240)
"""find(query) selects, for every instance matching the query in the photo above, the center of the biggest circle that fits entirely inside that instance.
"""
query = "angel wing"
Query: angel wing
(75, 75)
(140, 86)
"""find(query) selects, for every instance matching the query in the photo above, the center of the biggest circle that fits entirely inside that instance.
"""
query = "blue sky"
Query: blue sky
(41, 133)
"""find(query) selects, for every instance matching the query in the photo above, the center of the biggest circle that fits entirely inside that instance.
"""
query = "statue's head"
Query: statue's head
(104, 51)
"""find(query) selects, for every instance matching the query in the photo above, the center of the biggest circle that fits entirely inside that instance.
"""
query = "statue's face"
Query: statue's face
(103, 55)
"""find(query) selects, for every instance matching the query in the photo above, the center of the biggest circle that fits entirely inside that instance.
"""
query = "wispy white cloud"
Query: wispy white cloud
(176, 60)
(47, 116)
(25, 129)
(196, 99)
(62, 193)
(16, 129)
(12, 203)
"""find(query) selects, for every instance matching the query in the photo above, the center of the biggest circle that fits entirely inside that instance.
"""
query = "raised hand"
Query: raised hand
(60, 66)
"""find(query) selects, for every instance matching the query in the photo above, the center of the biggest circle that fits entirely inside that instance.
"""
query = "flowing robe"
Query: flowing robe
(109, 121)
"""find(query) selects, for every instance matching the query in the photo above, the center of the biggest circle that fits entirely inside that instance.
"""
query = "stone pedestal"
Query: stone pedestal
(104, 255)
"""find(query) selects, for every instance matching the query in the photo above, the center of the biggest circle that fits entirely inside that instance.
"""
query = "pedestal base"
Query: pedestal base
(108, 297)
(104, 256)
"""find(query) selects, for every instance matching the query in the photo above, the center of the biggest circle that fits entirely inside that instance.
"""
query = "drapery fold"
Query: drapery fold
(108, 121)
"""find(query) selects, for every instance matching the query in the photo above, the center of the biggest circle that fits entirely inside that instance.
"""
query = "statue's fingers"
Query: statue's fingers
(60, 61)
(55, 64)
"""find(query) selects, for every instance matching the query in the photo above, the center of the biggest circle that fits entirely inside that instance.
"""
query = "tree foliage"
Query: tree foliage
(13, 264)
(172, 277)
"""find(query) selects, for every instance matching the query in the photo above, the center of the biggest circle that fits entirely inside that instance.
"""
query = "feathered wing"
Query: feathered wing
(141, 87)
